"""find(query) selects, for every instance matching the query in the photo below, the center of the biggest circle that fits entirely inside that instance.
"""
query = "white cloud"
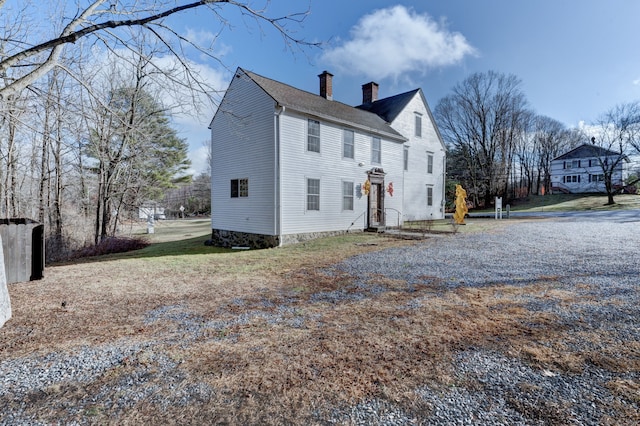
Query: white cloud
(393, 41)
(636, 82)
(199, 160)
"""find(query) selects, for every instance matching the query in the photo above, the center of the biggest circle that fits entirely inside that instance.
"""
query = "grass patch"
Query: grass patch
(573, 202)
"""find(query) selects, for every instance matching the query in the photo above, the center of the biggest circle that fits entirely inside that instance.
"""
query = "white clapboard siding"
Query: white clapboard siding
(242, 146)
(416, 178)
(298, 164)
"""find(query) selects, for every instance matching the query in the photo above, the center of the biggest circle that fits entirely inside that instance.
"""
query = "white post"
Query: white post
(498, 207)
(5, 303)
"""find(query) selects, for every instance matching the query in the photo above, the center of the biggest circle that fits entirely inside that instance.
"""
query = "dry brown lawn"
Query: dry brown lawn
(293, 358)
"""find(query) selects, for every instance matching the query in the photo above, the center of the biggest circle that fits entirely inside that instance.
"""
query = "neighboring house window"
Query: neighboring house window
(376, 151)
(313, 136)
(347, 195)
(571, 179)
(429, 162)
(347, 144)
(573, 164)
(418, 125)
(406, 158)
(596, 178)
(239, 188)
(313, 194)
(429, 196)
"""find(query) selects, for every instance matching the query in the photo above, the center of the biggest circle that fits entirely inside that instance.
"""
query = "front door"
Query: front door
(376, 200)
(375, 206)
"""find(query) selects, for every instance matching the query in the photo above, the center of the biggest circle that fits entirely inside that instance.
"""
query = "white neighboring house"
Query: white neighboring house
(288, 165)
(148, 210)
(580, 170)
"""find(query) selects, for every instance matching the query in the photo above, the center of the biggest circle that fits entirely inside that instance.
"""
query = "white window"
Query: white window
(347, 195)
(313, 194)
(313, 136)
(376, 150)
(239, 188)
(429, 196)
(573, 164)
(571, 179)
(430, 162)
(347, 144)
(418, 124)
(406, 158)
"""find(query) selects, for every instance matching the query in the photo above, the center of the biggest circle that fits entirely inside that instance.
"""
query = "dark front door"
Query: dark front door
(376, 200)
(376, 206)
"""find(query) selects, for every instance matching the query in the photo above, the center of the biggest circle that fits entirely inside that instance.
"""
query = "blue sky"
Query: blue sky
(576, 58)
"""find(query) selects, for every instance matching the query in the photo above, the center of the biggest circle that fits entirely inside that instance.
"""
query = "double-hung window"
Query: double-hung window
(429, 162)
(429, 196)
(418, 131)
(313, 136)
(347, 195)
(313, 194)
(239, 188)
(405, 158)
(376, 150)
(347, 144)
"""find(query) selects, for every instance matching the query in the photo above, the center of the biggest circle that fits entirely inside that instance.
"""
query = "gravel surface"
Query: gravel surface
(597, 259)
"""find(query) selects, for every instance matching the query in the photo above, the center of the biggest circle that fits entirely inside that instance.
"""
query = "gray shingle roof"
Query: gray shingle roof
(587, 151)
(317, 106)
(389, 108)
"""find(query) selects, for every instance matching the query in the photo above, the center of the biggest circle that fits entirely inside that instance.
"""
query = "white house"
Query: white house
(288, 165)
(581, 169)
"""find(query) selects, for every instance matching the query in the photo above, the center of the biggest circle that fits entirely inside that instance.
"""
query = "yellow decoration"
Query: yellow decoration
(366, 187)
(461, 205)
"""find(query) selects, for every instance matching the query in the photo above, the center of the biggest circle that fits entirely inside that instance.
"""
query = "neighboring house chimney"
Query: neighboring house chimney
(369, 92)
(326, 85)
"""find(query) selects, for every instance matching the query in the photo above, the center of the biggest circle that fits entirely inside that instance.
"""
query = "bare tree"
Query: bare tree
(482, 120)
(98, 22)
(616, 134)
(50, 91)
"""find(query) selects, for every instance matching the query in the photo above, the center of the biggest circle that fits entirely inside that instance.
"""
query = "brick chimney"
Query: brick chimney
(369, 92)
(326, 85)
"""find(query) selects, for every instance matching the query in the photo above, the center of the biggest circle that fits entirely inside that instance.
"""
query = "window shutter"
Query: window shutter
(578, 163)
(564, 179)
(578, 178)
(564, 164)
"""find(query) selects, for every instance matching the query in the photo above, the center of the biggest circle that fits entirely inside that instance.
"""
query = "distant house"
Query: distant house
(288, 165)
(581, 170)
(151, 210)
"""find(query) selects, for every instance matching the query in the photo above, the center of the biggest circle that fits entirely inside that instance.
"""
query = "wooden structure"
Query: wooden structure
(23, 246)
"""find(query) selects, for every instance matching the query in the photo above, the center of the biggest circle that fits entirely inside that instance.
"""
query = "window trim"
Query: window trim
(430, 162)
(376, 159)
(309, 195)
(311, 136)
(346, 196)
(405, 158)
(429, 195)
(417, 131)
(352, 145)
(236, 189)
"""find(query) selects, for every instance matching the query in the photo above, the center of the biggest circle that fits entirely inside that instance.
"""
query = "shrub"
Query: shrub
(112, 245)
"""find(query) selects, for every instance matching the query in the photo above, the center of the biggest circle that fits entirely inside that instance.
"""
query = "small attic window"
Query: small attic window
(418, 131)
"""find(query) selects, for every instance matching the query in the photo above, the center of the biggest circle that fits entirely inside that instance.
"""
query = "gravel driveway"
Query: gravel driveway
(578, 253)
(592, 258)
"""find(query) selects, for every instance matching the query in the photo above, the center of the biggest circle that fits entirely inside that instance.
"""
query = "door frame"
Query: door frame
(376, 179)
